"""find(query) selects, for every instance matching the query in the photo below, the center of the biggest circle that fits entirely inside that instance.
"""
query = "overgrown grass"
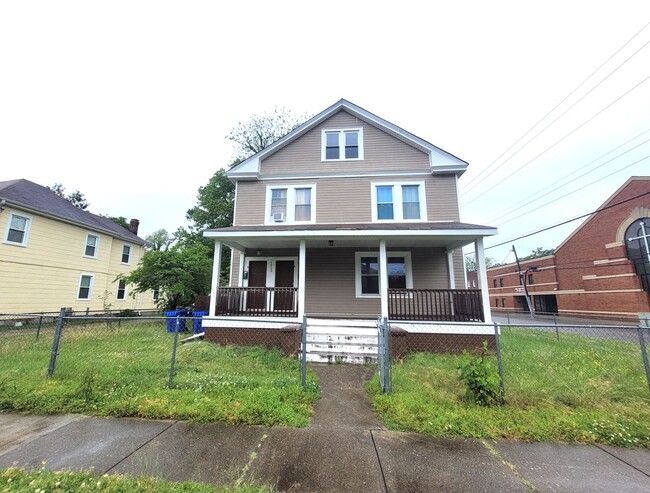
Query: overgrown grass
(580, 389)
(43, 481)
(124, 371)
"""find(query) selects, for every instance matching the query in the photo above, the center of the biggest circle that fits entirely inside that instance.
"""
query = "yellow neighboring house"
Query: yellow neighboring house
(55, 255)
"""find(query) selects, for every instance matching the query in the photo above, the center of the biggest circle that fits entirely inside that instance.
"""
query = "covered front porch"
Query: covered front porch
(410, 272)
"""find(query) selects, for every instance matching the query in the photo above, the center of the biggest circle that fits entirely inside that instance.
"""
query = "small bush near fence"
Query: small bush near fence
(573, 386)
(109, 367)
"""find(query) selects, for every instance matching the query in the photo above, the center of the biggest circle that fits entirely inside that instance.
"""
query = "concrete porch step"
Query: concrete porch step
(349, 357)
(342, 341)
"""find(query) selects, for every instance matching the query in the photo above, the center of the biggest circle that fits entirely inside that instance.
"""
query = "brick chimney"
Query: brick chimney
(133, 226)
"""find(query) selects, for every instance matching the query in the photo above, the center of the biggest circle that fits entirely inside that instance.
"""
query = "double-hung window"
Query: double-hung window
(85, 286)
(18, 230)
(290, 204)
(126, 254)
(342, 144)
(121, 290)
(92, 246)
(402, 201)
(368, 271)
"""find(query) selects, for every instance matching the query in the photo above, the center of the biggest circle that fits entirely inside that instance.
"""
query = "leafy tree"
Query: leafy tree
(121, 220)
(179, 274)
(260, 131)
(159, 240)
(470, 263)
(215, 204)
(539, 252)
(76, 198)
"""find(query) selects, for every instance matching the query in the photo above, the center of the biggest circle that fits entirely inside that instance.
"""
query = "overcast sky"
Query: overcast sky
(130, 102)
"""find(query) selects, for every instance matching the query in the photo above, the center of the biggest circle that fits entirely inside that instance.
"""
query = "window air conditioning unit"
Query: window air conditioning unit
(278, 217)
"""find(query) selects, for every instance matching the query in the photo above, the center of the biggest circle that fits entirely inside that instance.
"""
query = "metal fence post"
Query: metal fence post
(644, 350)
(38, 330)
(383, 354)
(387, 361)
(171, 368)
(499, 360)
(55, 343)
(303, 352)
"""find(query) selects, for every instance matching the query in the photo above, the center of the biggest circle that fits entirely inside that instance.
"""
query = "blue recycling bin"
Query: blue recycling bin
(171, 320)
(198, 321)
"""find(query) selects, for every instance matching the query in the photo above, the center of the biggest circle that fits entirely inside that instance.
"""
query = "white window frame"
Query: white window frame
(291, 204)
(357, 270)
(153, 294)
(28, 224)
(128, 262)
(398, 210)
(341, 132)
(88, 235)
(90, 288)
(117, 295)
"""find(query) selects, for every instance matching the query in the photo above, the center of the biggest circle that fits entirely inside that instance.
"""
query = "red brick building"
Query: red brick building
(601, 270)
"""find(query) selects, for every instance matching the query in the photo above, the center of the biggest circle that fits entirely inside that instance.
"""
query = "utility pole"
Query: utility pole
(522, 282)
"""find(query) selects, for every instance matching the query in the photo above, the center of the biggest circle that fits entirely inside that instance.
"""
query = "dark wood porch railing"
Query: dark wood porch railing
(450, 305)
(257, 302)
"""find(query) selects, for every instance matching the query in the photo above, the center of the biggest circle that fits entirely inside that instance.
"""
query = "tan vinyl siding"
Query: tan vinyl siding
(251, 200)
(348, 200)
(382, 152)
(44, 275)
(234, 269)
(330, 288)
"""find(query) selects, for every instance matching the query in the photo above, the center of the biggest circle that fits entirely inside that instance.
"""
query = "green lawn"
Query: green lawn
(124, 371)
(580, 389)
(18, 480)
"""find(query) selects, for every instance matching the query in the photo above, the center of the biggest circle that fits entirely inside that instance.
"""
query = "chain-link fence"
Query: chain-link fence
(576, 365)
(93, 358)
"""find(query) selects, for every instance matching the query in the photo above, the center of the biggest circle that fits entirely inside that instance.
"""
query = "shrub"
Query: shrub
(481, 377)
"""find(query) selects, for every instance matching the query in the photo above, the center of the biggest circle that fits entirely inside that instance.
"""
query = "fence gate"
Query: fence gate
(383, 354)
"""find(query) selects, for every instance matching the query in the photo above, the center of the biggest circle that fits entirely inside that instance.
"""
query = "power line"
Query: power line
(576, 190)
(568, 135)
(569, 220)
(511, 209)
(558, 105)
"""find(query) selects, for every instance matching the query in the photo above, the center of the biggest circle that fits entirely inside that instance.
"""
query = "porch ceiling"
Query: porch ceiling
(449, 235)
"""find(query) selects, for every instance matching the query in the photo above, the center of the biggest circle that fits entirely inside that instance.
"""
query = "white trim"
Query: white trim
(357, 270)
(368, 233)
(302, 277)
(341, 133)
(290, 217)
(28, 224)
(398, 202)
(88, 235)
(216, 273)
(90, 287)
(234, 204)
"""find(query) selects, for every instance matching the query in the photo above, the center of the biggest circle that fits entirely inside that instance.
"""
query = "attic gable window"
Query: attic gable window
(342, 144)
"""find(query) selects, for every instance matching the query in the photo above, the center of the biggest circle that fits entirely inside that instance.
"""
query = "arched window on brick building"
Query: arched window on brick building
(637, 241)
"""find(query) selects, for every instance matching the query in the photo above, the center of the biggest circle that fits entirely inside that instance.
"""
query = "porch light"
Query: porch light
(331, 242)
(258, 253)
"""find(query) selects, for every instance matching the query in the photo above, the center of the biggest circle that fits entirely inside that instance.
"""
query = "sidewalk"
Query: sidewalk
(345, 448)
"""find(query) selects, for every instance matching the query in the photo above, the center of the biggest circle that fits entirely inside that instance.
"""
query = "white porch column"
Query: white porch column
(301, 279)
(216, 273)
(481, 273)
(383, 278)
(450, 266)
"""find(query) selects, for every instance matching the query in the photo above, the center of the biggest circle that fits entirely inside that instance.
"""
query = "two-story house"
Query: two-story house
(347, 217)
(55, 255)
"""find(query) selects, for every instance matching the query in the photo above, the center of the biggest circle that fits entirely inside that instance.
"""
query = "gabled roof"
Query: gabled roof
(440, 161)
(609, 201)
(31, 197)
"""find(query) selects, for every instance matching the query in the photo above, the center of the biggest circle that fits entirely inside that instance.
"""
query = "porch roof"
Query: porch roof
(450, 235)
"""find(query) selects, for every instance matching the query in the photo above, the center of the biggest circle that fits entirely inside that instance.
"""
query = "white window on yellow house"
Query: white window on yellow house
(126, 254)
(85, 286)
(121, 290)
(17, 230)
(92, 246)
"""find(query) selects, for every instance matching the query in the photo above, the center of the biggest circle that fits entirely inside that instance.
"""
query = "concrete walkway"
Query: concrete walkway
(345, 448)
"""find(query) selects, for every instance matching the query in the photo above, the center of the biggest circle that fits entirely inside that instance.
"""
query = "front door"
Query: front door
(284, 299)
(256, 279)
